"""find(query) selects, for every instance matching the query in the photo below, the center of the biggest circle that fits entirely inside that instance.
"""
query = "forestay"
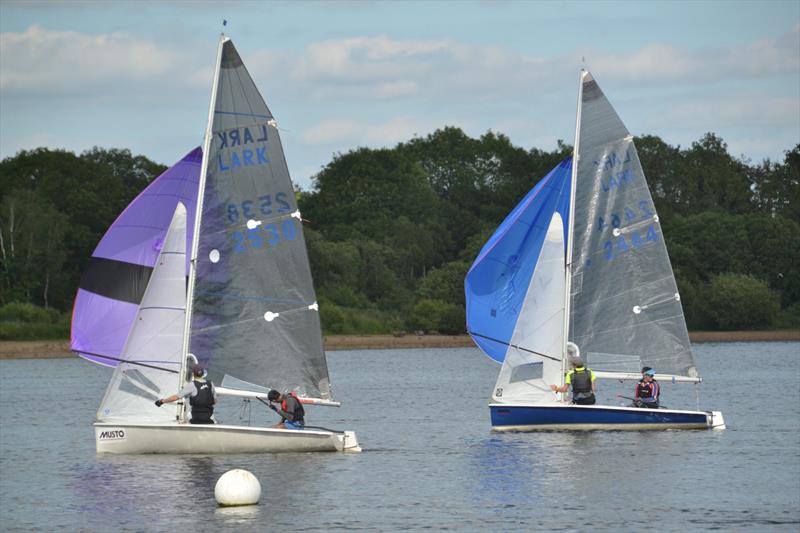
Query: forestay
(625, 310)
(254, 313)
(152, 352)
(114, 282)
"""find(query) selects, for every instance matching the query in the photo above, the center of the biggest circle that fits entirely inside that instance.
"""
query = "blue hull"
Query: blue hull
(508, 417)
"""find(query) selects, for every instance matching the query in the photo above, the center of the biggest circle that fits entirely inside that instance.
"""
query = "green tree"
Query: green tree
(776, 187)
(32, 250)
(738, 301)
(445, 283)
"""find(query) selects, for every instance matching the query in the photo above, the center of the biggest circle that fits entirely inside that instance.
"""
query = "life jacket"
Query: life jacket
(648, 392)
(581, 382)
(299, 412)
(203, 402)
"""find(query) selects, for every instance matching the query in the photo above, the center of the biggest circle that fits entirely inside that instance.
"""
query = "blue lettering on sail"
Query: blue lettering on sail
(243, 158)
(613, 161)
(617, 180)
(242, 136)
(264, 237)
(246, 209)
(619, 245)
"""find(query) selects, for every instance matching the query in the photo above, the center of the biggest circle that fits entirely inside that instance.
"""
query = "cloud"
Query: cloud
(659, 63)
(354, 132)
(381, 69)
(43, 61)
(744, 110)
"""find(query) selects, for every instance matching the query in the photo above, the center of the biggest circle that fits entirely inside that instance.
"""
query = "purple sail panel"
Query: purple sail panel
(119, 269)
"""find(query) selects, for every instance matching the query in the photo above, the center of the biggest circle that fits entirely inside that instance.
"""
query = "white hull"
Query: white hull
(174, 438)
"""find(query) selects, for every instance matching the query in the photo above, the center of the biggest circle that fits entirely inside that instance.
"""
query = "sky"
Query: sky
(339, 75)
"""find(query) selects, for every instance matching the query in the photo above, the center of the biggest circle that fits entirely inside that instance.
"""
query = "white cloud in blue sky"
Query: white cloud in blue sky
(338, 75)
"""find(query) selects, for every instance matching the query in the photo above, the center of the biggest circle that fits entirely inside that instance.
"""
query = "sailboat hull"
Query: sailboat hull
(174, 438)
(532, 417)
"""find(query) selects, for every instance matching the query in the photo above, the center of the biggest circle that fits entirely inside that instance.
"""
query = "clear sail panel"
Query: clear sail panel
(255, 314)
(625, 309)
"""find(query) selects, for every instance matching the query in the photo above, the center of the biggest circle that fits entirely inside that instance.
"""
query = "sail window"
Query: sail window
(527, 372)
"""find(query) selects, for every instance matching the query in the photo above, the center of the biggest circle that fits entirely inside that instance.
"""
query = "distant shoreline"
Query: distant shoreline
(54, 349)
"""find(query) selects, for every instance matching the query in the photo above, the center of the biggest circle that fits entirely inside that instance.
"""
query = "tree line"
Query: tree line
(392, 232)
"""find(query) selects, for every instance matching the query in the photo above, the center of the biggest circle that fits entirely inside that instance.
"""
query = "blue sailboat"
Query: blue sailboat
(579, 268)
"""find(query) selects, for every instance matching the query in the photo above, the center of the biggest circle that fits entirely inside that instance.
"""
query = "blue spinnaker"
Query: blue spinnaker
(498, 280)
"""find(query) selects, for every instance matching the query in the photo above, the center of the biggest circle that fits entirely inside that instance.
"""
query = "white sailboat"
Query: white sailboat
(248, 314)
(579, 267)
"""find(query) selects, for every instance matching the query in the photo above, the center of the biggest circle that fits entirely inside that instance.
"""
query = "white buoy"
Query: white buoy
(237, 487)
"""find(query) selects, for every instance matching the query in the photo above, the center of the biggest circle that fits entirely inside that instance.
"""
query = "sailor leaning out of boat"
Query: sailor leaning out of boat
(202, 396)
(582, 381)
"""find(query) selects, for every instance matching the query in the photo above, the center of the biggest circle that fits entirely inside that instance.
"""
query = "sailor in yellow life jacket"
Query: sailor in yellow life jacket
(582, 381)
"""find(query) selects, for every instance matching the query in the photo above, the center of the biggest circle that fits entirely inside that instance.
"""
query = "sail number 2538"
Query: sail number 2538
(264, 236)
(263, 205)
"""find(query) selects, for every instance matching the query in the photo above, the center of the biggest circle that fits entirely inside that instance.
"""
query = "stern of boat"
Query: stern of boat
(717, 422)
(349, 442)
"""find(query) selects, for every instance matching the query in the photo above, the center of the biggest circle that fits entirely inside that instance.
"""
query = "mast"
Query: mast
(197, 219)
(571, 224)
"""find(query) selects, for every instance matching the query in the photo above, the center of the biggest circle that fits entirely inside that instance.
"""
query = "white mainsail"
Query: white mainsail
(152, 353)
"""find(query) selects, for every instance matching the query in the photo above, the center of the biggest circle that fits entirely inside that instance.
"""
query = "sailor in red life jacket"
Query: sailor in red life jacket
(291, 410)
(647, 390)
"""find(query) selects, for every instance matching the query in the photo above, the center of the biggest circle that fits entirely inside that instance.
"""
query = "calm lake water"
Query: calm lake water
(429, 459)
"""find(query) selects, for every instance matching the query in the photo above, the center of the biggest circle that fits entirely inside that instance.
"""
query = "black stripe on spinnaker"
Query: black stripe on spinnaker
(514, 346)
(117, 280)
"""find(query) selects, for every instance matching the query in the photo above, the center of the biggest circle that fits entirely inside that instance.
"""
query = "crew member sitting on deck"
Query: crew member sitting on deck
(582, 381)
(202, 397)
(291, 410)
(647, 390)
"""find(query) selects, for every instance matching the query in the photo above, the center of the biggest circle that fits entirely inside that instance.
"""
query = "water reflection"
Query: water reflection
(521, 469)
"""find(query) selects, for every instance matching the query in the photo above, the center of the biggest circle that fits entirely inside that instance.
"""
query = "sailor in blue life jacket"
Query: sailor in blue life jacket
(291, 410)
(648, 390)
(202, 397)
(581, 379)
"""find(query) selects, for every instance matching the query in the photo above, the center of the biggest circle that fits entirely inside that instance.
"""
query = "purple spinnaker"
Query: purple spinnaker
(113, 284)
